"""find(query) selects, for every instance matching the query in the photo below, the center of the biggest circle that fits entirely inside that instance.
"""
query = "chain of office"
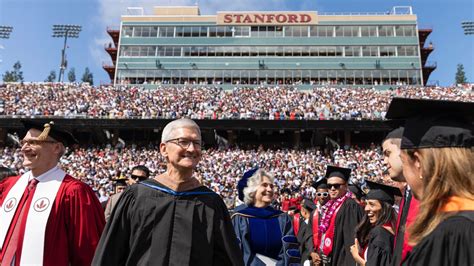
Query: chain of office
(268, 31)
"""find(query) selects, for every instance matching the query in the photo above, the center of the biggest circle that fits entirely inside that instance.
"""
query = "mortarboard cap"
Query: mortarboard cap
(320, 183)
(335, 171)
(243, 182)
(356, 190)
(382, 192)
(434, 123)
(395, 134)
(120, 181)
(309, 205)
(50, 130)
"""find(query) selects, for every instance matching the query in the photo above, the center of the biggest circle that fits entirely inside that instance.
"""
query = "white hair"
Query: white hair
(253, 183)
(178, 123)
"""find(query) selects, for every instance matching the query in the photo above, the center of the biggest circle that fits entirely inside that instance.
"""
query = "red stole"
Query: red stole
(315, 229)
(329, 235)
(412, 213)
(296, 223)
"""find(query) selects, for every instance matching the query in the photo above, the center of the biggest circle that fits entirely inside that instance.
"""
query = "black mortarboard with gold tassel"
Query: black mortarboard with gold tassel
(50, 130)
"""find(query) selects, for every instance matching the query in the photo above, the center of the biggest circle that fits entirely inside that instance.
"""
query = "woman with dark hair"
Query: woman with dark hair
(437, 157)
(375, 234)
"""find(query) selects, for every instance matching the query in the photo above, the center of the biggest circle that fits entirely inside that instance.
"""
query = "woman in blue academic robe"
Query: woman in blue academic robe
(265, 235)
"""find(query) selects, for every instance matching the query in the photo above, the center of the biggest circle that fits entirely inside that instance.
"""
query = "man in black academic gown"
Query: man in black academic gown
(339, 219)
(171, 219)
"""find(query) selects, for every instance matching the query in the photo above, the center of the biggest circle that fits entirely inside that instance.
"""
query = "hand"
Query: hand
(355, 248)
(315, 258)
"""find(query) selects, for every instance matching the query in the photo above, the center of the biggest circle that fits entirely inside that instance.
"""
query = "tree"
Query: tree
(71, 75)
(460, 75)
(51, 77)
(16, 75)
(88, 77)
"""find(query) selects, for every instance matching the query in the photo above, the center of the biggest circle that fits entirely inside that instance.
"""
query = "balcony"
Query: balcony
(114, 33)
(423, 34)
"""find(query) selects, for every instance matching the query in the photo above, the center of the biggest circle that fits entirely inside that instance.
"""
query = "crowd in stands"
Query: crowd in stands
(219, 169)
(207, 102)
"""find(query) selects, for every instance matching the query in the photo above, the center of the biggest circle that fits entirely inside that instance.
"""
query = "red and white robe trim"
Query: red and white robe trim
(38, 213)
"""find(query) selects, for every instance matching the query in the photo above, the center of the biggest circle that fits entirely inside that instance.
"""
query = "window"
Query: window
(387, 51)
(127, 31)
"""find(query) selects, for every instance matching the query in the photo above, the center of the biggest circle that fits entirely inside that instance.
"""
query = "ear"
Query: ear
(417, 160)
(163, 150)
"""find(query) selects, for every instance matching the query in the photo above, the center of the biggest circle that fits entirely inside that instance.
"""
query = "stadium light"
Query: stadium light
(60, 31)
(5, 31)
(468, 27)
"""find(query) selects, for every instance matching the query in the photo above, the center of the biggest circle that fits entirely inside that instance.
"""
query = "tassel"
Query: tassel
(45, 133)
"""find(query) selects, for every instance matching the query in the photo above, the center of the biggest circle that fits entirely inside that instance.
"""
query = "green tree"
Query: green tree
(88, 77)
(460, 75)
(71, 75)
(51, 77)
(16, 75)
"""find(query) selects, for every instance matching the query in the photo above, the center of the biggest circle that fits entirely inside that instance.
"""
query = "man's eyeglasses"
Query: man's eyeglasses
(335, 186)
(35, 142)
(322, 194)
(138, 177)
(185, 143)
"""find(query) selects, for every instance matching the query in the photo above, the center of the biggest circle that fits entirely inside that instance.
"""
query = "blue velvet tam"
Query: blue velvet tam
(243, 182)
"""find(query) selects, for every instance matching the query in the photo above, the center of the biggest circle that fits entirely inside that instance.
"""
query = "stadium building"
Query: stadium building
(178, 45)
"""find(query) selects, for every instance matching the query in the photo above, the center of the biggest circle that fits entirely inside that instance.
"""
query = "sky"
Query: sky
(39, 53)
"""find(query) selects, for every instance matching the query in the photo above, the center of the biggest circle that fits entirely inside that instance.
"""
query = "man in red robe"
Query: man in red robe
(47, 217)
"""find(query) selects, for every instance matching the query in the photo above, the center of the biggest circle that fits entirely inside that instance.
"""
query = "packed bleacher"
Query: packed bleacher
(273, 103)
(219, 169)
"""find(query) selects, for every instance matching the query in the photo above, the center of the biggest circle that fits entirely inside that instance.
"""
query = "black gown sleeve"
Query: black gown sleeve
(227, 250)
(450, 243)
(379, 251)
(347, 219)
(113, 247)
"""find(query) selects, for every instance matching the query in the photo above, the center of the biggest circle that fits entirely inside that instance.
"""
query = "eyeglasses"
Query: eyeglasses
(138, 177)
(35, 142)
(322, 194)
(335, 186)
(185, 143)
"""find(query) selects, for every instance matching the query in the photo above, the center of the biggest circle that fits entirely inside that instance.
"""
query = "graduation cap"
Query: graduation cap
(335, 171)
(356, 190)
(243, 182)
(50, 130)
(434, 123)
(395, 134)
(309, 205)
(320, 183)
(382, 192)
(120, 181)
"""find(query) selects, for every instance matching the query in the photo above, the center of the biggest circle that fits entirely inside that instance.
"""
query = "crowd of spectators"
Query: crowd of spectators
(219, 169)
(207, 102)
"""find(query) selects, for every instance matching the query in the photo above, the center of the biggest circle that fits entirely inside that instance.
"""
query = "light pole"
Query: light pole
(468, 27)
(59, 31)
(5, 31)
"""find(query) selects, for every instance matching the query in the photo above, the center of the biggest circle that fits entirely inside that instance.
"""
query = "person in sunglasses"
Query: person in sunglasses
(375, 234)
(139, 173)
(339, 218)
(171, 219)
(321, 197)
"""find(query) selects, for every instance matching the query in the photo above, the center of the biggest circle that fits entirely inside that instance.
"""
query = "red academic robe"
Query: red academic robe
(74, 225)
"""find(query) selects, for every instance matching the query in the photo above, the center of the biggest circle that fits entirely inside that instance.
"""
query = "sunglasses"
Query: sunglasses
(322, 194)
(335, 186)
(138, 177)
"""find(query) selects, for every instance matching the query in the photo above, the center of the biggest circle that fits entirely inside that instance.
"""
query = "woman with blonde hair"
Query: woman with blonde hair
(265, 235)
(438, 164)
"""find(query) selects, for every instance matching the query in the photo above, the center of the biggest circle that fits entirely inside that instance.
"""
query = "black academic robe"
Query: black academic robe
(305, 239)
(348, 217)
(380, 247)
(153, 225)
(450, 243)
